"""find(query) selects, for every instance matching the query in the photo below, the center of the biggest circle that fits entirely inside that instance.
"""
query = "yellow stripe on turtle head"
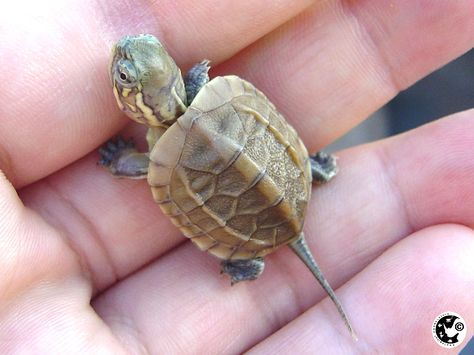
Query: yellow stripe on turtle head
(147, 111)
(117, 98)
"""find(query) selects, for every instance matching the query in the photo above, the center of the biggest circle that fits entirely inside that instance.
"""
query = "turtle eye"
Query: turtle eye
(126, 73)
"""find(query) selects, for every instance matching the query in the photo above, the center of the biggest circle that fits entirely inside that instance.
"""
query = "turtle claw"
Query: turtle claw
(242, 270)
(121, 158)
(323, 167)
(113, 149)
(195, 79)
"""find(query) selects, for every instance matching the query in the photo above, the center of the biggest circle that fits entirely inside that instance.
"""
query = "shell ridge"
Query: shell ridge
(274, 131)
(252, 254)
(214, 243)
(240, 148)
(191, 194)
(229, 86)
(232, 160)
(194, 118)
(219, 94)
(201, 231)
(260, 120)
(259, 178)
(260, 95)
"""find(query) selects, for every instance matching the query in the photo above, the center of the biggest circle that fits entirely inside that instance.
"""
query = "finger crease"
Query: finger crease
(6, 165)
(69, 205)
(389, 174)
(371, 45)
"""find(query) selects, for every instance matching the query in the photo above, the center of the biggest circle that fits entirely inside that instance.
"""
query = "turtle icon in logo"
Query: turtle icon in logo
(449, 329)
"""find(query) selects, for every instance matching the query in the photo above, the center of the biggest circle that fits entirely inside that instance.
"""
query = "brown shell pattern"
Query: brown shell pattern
(231, 173)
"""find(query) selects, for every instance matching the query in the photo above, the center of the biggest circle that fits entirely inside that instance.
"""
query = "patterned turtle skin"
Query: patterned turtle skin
(223, 163)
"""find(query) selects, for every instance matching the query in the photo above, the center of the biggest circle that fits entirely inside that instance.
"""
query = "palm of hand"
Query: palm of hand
(393, 229)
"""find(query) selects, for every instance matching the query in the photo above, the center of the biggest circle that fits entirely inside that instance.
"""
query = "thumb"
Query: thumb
(31, 251)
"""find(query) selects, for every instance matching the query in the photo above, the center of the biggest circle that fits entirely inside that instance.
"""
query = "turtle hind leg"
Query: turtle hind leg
(122, 159)
(323, 167)
(243, 270)
(300, 248)
(195, 79)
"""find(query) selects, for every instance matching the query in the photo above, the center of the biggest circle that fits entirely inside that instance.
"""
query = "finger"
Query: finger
(400, 293)
(19, 250)
(356, 225)
(113, 224)
(44, 294)
(339, 61)
(392, 188)
(180, 295)
(372, 203)
(59, 104)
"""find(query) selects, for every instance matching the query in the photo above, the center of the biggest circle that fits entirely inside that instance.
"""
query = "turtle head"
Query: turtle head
(146, 81)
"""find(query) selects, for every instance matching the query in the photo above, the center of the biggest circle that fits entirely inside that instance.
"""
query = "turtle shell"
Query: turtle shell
(231, 173)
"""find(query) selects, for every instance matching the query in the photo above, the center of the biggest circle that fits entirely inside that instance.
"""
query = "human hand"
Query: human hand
(89, 263)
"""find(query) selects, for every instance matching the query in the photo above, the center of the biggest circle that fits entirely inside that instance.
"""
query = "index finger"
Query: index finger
(339, 61)
(58, 104)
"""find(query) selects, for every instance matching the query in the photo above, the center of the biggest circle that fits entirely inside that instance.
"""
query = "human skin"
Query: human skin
(90, 265)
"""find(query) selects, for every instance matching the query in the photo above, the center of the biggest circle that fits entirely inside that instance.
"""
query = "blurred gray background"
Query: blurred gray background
(448, 90)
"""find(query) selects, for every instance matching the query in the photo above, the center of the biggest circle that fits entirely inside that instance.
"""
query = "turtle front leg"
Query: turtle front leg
(122, 159)
(323, 167)
(195, 79)
(243, 270)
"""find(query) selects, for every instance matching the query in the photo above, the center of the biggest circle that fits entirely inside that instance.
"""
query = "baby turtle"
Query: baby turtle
(223, 163)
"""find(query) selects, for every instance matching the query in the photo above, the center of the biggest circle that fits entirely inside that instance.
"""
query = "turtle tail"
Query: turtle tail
(300, 248)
